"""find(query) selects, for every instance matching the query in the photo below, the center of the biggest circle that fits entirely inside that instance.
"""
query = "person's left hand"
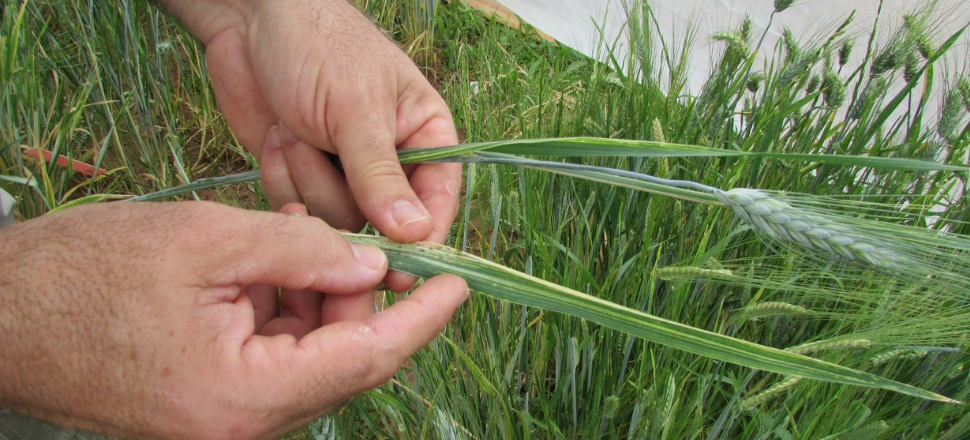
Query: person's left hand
(161, 320)
(317, 76)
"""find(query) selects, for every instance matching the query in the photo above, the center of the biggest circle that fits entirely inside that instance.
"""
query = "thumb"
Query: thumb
(335, 362)
(367, 150)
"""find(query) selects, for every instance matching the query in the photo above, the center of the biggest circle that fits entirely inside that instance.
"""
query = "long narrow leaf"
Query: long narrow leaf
(603, 147)
(213, 182)
(592, 147)
(427, 260)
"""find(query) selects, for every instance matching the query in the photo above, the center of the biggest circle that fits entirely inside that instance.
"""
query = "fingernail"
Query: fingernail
(287, 136)
(273, 139)
(405, 213)
(369, 256)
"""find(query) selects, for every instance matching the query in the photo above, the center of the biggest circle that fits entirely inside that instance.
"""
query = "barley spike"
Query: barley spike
(963, 85)
(756, 400)
(782, 221)
(834, 89)
(924, 46)
(812, 347)
(657, 131)
(754, 82)
(772, 308)
(781, 5)
(681, 272)
(911, 66)
(813, 84)
(900, 354)
(845, 51)
(951, 114)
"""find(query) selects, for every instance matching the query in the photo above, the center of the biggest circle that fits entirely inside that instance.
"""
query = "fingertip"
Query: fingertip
(423, 313)
(304, 252)
(285, 135)
(382, 190)
(273, 138)
(402, 220)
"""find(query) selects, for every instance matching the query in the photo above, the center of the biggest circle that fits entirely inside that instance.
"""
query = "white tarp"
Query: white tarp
(6, 209)
(575, 23)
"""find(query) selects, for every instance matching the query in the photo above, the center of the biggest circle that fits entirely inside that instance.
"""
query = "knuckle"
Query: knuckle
(380, 172)
(374, 141)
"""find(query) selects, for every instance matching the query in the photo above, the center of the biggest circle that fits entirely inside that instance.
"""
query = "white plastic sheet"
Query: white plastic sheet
(578, 24)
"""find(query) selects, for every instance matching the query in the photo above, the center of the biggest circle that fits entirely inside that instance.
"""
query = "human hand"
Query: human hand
(154, 320)
(318, 76)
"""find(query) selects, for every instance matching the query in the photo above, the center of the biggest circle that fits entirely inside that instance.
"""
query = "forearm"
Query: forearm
(208, 18)
(21, 350)
(11, 284)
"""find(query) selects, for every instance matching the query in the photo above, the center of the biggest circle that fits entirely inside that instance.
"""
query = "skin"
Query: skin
(156, 320)
(195, 320)
(316, 77)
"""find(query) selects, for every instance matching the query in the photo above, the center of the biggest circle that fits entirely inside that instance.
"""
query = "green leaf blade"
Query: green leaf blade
(427, 260)
(603, 147)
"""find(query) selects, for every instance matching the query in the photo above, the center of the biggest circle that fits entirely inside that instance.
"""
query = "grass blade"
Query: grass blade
(427, 260)
(604, 147)
(592, 147)
(197, 185)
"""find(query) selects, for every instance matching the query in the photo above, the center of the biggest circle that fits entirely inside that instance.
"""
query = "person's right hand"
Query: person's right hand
(317, 77)
(153, 320)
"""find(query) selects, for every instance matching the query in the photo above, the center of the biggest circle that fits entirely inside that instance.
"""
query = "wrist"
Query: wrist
(208, 18)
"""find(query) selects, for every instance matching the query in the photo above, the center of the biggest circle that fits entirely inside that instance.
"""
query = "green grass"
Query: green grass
(121, 85)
